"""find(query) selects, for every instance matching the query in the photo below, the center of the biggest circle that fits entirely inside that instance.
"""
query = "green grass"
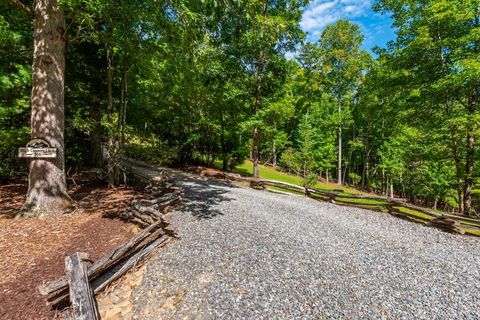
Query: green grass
(270, 173)
(362, 201)
(472, 232)
(246, 169)
(414, 213)
(470, 223)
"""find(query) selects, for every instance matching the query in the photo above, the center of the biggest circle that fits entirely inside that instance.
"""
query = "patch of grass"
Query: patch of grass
(363, 201)
(414, 213)
(267, 173)
(270, 173)
(285, 190)
(472, 232)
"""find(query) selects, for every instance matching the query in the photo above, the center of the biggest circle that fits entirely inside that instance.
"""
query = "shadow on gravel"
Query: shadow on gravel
(201, 195)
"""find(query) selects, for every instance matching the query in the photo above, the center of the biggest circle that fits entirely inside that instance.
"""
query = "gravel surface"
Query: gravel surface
(247, 254)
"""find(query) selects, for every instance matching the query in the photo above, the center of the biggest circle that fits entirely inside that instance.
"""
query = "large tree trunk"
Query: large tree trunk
(47, 187)
(469, 174)
(256, 106)
(110, 147)
(255, 155)
(120, 136)
(96, 157)
(390, 190)
(339, 165)
(274, 153)
(458, 169)
(222, 141)
(467, 195)
(122, 116)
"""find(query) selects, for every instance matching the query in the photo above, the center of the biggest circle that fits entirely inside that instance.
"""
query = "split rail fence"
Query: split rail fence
(397, 208)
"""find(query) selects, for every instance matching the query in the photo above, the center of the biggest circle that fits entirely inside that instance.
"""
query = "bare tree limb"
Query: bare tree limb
(22, 7)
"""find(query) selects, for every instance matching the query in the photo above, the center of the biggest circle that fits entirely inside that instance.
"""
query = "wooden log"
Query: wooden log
(130, 263)
(445, 220)
(103, 263)
(280, 184)
(134, 217)
(462, 218)
(144, 218)
(61, 296)
(165, 204)
(166, 197)
(284, 192)
(146, 210)
(81, 295)
(412, 207)
(257, 184)
(397, 213)
(468, 226)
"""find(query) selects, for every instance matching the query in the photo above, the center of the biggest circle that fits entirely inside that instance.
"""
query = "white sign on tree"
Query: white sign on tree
(36, 149)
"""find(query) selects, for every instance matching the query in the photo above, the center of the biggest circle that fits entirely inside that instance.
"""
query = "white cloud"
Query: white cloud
(321, 13)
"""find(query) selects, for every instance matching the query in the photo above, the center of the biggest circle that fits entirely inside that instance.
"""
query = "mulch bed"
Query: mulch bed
(32, 250)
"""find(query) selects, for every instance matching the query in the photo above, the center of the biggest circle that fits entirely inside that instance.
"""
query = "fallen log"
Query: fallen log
(81, 296)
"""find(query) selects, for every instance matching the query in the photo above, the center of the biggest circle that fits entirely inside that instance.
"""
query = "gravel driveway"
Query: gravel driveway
(247, 254)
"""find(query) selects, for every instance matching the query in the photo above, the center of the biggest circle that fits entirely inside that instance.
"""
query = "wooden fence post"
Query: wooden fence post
(81, 296)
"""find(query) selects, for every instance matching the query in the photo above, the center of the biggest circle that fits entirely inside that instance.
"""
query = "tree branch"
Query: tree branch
(22, 7)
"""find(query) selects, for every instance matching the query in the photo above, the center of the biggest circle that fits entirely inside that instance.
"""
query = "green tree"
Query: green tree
(47, 187)
(272, 30)
(342, 62)
(437, 49)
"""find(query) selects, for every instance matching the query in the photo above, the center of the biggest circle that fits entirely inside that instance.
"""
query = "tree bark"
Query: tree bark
(122, 117)
(274, 153)
(47, 187)
(256, 106)
(467, 194)
(120, 138)
(458, 169)
(110, 142)
(222, 141)
(96, 157)
(255, 153)
(339, 165)
(391, 193)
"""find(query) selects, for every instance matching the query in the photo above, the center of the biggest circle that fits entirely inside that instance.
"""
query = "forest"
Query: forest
(216, 82)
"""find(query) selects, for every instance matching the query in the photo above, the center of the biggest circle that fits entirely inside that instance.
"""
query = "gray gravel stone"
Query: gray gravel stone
(248, 254)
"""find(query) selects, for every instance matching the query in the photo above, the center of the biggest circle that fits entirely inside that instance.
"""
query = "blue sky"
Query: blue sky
(320, 13)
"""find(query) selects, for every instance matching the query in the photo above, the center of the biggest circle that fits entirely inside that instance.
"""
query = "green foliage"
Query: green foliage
(15, 80)
(199, 76)
(355, 178)
(150, 149)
